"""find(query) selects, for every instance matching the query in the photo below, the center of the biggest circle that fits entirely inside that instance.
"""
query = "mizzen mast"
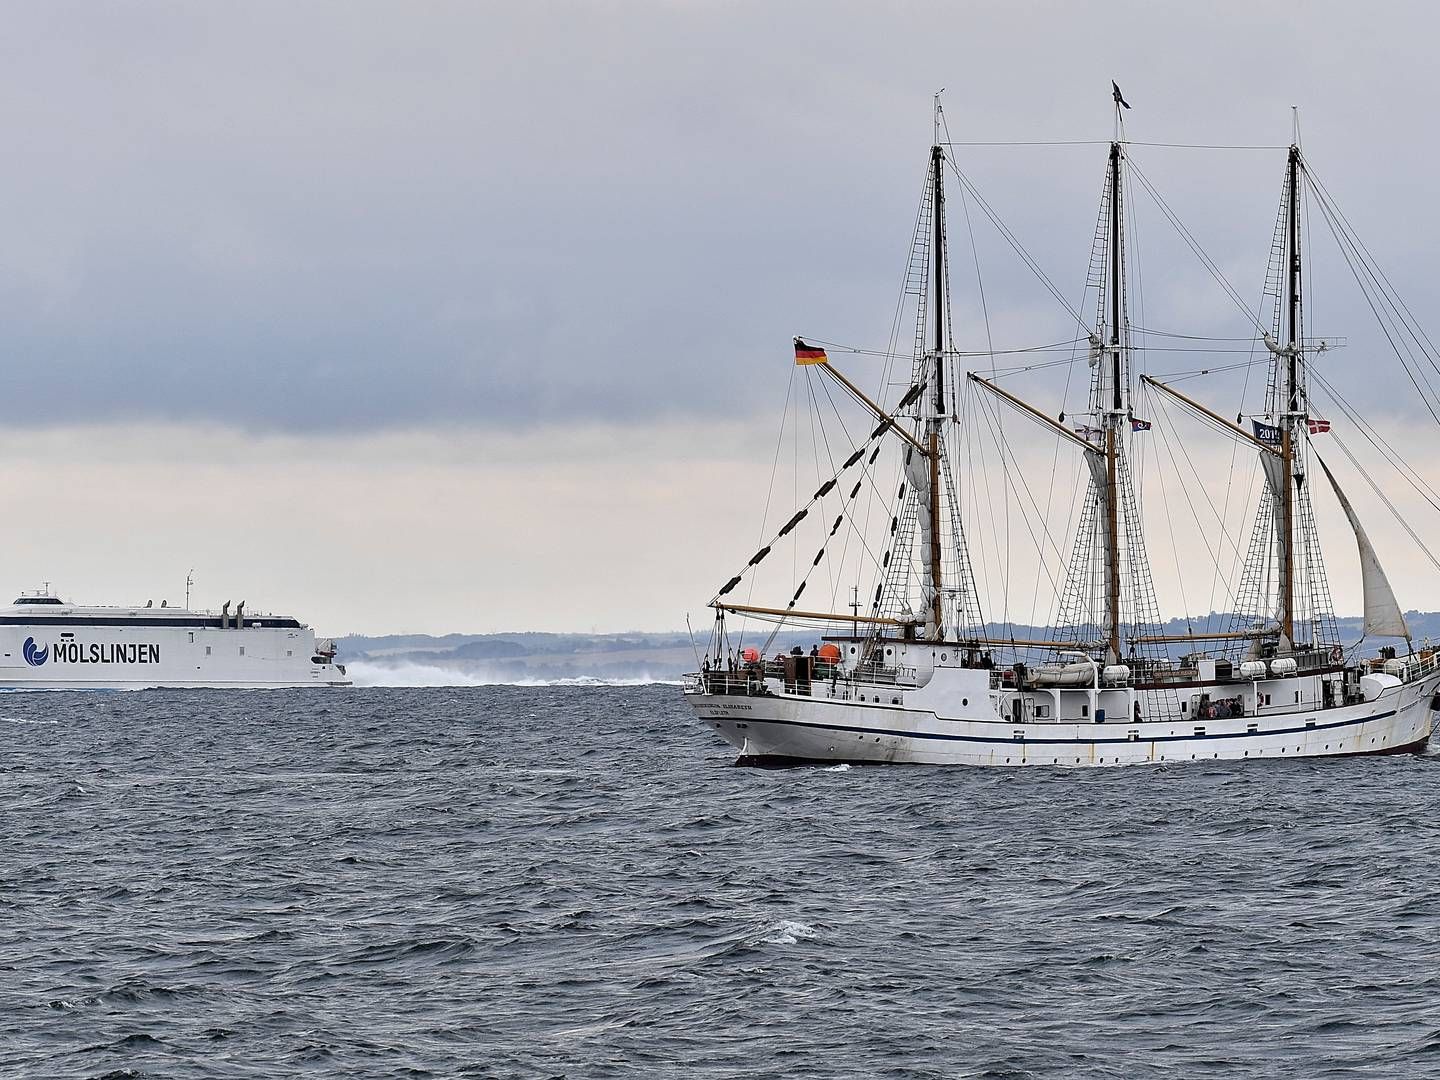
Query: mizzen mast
(1293, 414)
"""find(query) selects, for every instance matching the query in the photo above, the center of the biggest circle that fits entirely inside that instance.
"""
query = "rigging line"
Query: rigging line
(984, 535)
(1398, 316)
(1018, 247)
(1385, 328)
(1324, 194)
(837, 346)
(1193, 244)
(1188, 337)
(1214, 553)
(770, 489)
(1196, 373)
(1376, 440)
(1147, 396)
(990, 342)
(865, 471)
(1208, 146)
(1389, 320)
(1127, 142)
(1248, 366)
(1033, 142)
(1007, 455)
(810, 380)
(1200, 483)
(1394, 510)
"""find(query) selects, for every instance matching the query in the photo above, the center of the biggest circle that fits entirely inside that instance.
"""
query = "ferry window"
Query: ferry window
(1084, 710)
(192, 637)
(289, 653)
(207, 650)
(242, 650)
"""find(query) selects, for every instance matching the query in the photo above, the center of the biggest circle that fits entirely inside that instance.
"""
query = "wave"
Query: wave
(369, 673)
(788, 932)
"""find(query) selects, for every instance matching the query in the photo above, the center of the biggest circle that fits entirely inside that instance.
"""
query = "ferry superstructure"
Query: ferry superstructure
(47, 643)
(919, 675)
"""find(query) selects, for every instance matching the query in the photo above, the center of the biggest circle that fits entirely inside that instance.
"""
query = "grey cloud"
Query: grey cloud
(356, 216)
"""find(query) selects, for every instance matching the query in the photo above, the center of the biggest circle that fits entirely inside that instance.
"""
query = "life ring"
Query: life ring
(1337, 654)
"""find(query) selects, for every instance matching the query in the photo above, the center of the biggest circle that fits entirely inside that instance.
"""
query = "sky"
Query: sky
(475, 316)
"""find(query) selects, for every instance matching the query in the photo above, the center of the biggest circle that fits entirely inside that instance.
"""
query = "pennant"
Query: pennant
(809, 354)
(1139, 425)
(1266, 433)
(1318, 427)
(1119, 97)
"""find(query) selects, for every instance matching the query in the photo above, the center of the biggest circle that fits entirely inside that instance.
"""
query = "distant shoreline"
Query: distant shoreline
(522, 657)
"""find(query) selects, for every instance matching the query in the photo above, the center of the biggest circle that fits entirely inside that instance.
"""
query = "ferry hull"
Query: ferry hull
(148, 649)
(784, 729)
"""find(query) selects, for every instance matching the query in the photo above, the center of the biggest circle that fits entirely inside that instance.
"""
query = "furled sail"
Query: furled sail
(917, 474)
(1382, 613)
(1274, 466)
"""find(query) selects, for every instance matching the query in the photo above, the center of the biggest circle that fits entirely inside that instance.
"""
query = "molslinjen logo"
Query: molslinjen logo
(33, 656)
(73, 652)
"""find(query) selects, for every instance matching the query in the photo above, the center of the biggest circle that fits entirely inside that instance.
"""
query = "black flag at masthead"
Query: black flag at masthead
(1119, 97)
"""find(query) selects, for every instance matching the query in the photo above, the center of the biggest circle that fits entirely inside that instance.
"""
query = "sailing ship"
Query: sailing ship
(919, 676)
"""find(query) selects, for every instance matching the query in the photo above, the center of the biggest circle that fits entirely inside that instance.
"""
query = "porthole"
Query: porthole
(889, 652)
(944, 657)
(966, 701)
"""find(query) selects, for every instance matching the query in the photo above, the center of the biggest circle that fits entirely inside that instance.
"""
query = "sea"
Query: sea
(575, 881)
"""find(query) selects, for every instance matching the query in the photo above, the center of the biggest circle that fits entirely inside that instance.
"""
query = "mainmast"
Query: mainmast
(936, 616)
(1114, 413)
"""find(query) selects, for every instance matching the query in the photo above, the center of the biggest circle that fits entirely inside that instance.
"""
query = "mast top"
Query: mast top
(1120, 103)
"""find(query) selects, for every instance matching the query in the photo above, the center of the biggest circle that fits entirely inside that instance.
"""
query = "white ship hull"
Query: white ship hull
(63, 647)
(787, 728)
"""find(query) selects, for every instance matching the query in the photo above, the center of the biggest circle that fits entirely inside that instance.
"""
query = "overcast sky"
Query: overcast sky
(457, 316)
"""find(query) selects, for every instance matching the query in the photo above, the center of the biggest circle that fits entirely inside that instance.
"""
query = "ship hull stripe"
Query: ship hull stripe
(1042, 741)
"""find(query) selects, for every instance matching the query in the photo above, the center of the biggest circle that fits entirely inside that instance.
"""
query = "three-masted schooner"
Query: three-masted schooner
(921, 678)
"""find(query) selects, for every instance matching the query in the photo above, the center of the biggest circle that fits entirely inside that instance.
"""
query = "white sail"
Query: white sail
(1382, 612)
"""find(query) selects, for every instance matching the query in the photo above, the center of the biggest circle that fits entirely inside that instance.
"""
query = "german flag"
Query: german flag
(809, 354)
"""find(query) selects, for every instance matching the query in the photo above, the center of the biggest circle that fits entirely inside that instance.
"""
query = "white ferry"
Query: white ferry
(49, 644)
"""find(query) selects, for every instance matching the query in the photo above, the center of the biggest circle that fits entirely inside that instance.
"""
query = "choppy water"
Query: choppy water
(541, 882)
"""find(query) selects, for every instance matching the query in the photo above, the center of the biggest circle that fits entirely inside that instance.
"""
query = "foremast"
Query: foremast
(932, 587)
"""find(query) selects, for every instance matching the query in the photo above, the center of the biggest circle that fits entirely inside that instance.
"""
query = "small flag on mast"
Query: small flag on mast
(1318, 427)
(1139, 425)
(809, 354)
(1119, 97)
